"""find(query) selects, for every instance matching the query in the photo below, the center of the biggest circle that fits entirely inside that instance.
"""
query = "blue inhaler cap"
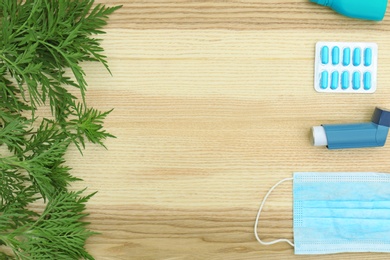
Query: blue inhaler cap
(361, 9)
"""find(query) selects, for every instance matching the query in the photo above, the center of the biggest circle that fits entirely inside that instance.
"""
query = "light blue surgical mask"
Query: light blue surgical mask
(338, 212)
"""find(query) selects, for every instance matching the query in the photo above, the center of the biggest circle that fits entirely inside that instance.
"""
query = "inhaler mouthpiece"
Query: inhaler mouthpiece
(358, 135)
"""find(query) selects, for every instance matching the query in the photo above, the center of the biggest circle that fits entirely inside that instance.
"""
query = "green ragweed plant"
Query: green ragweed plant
(43, 44)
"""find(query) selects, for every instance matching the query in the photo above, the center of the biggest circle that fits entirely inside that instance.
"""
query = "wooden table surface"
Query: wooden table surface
(214, 102)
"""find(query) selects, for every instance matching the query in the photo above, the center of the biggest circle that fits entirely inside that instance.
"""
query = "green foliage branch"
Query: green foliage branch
(43, 44)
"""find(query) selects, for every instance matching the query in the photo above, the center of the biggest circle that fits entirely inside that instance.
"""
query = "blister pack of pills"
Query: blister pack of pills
(346, 67)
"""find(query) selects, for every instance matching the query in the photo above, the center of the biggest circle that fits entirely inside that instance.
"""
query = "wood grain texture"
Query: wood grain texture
(234, 14)
(213, 105)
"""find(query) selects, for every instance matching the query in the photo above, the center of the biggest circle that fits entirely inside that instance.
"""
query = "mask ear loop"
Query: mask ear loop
(258, 216)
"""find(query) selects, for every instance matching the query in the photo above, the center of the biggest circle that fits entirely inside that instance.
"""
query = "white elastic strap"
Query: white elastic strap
(258, 216)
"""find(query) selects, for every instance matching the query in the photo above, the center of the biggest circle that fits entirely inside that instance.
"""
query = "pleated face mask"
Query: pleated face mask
(338, 212)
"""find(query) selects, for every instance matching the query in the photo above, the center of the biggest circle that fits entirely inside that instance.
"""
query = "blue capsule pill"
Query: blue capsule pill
(324, 80)
(356, 57)
(367, 80)
(345, 80)
(325, 55)
(335, 55)
(356, 80)
(346, 56)
(335, 80)
(367, 57)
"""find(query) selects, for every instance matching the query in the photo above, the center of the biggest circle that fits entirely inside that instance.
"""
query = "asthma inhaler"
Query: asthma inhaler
(360, 135)
(362, 9)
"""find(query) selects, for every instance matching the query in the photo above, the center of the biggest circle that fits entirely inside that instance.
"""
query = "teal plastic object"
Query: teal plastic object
(371, 134)
(361, 9)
